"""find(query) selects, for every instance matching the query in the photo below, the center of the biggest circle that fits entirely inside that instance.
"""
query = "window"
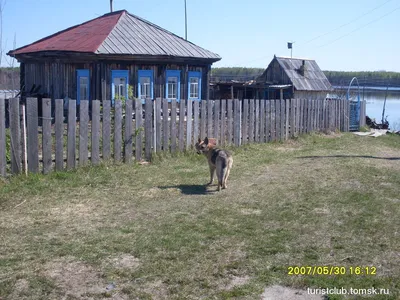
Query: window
(119, 85)
(82, 79)
(173, 85)
(194, 85)
(145, 84)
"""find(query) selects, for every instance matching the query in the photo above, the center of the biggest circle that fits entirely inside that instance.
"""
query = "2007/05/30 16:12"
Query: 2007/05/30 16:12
(331, 270)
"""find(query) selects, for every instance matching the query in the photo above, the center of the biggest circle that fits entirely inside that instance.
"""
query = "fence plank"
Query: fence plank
(283, 119)
(138, 130)
(230, 121)
(217, 106)
(287, 118)
(189, 124)
(106, 129)
(71, 139)
(15, 135)
(223, 123)
(209, 117)
(278, 119)
(257, 121)
(95, 153)
(268, 134)
(128, 130)
(3, 157)
(181, 133)
(173, 125)
(59, 133)
(117, 130)
(273, 117)
(166, 128)
(46, 135)
(262, 120)
(32, 133)
(203, 119)
(292, 119)
(236, 122)
(251, 121)
(148, 128)
(245, 121)
(157, 103)
(83, 132)
(196, 112)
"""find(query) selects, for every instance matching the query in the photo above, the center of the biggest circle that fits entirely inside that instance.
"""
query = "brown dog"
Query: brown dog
(218, 159)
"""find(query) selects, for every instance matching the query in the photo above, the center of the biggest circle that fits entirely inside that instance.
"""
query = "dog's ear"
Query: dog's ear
(212, 142)
(206, 141)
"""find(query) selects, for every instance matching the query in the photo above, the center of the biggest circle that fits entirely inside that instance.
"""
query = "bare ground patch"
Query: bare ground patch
(277, 292)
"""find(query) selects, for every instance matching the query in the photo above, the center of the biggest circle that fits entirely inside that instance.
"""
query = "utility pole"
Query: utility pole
(111, 9)
(290, 46)
(185, 22)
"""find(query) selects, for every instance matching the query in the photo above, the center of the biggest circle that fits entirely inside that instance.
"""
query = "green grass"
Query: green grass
(158, 233)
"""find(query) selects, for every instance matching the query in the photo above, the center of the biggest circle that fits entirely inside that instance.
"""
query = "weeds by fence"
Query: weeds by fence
(59, 140)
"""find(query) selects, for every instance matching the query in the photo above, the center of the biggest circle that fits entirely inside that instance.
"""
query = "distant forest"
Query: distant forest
(336, 78)
(9, 77)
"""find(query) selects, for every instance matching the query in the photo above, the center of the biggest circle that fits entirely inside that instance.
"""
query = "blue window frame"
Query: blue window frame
(173, 85)
(119, 84)
(145, 84)
(194, 85)
(82, 85)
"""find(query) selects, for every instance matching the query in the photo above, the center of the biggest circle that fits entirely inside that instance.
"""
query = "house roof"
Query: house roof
(119, 33)
(312, 80)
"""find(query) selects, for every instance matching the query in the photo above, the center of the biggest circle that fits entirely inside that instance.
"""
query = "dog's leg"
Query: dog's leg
(212, 171)
(230, 163)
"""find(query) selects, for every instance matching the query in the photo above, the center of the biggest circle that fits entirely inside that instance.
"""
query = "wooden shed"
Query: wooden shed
(294, 78)
(109, 56)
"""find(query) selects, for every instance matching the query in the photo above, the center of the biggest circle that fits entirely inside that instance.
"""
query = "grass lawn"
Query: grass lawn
(156, 232)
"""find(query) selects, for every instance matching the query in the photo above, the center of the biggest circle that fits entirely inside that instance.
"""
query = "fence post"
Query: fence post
(189, 124)
(216, 120)
(230, 121)
(3, 157)
(262, 121)
(173, 125)
(138, 130)
(128, 131)
(251, 121)
(117, 129)
(46, 135)
(157, 103)
(236, 122)
(95, 154)
(203, 119)
(166, 129)
(245, 121)
(71, 139)
(209, 117)
(196, 112)
(83, 132)
(106, 130)
(223, 122)
(59, 133)
(267, 120)
(257, 121)
(148, 127)
(32, 132)
(181, 132)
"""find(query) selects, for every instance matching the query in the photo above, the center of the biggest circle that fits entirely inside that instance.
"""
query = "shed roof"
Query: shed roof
(312, 80)
(118, 33)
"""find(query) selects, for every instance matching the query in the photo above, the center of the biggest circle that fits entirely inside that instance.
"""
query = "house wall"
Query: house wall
(317, 95)
(59, 80)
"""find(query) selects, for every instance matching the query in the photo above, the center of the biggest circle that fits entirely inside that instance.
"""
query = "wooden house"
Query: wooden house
(115, 55)
(294, 78)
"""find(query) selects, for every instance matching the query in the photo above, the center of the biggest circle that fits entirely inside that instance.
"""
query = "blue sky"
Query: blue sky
(350, 35)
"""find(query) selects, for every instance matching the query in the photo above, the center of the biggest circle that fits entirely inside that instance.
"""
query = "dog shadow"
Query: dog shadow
(190, 189)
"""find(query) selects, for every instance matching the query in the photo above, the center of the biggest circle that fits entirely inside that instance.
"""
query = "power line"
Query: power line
(348, 23)
(359, 28)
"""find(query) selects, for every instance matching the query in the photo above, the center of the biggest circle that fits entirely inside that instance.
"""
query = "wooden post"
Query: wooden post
(128, 131)
(196, 113)
(173, 125)
(267, 120)
(223, 123)
(251, 122)
(237, 129)
(209, 117)
(32, 131)
(59, 133)
(257, 121)
(106, 129)
(95, 154)
(138, 130)
(245, 121)
(71, 139)
(117, 130)
(24, 140)
(216, 120)
(262, 121)
(3, 162)
(230, 121)
(273, 115)
(189, 124)
(46, 135)
(181, 143)
(148, 128)
(83, 132)
(158, 124)
(166, 128)
(203, 119)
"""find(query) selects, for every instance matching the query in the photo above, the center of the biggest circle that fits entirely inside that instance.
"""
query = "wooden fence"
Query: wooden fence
(59, 139)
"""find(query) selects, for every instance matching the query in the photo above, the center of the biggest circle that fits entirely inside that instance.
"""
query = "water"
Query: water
(375, 101)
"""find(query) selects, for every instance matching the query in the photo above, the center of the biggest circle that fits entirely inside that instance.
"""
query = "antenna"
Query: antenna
(185, 22)
(111, 8)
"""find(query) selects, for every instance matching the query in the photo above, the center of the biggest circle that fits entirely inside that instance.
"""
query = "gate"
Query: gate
(354, 99)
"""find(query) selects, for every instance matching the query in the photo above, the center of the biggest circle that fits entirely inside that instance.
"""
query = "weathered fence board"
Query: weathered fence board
(189, 124)
(237, 119)
(283, 119)
(46, 136)
(278, 120)
(203, 119)
(245, 121)
(209, 117)
(173, 126)
(32, 133)
(59, 134)
(106, 130)
(83, 132)
(257, 121)
(118, 130)
(157, 103)
(138, 130)
(196, 119)
(148, 128)
(230, 120)
(166, 129)
(223, 122)
(71, 138)
(262, 121)
(128, 130)
(273, 115)
(3, 142)
(268, 123)
(251, 122)
(181, 133)
(95, 153)
(216, 122)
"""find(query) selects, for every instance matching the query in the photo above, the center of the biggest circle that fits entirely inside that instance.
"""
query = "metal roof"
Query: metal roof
(313, 80)
(119, 33)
